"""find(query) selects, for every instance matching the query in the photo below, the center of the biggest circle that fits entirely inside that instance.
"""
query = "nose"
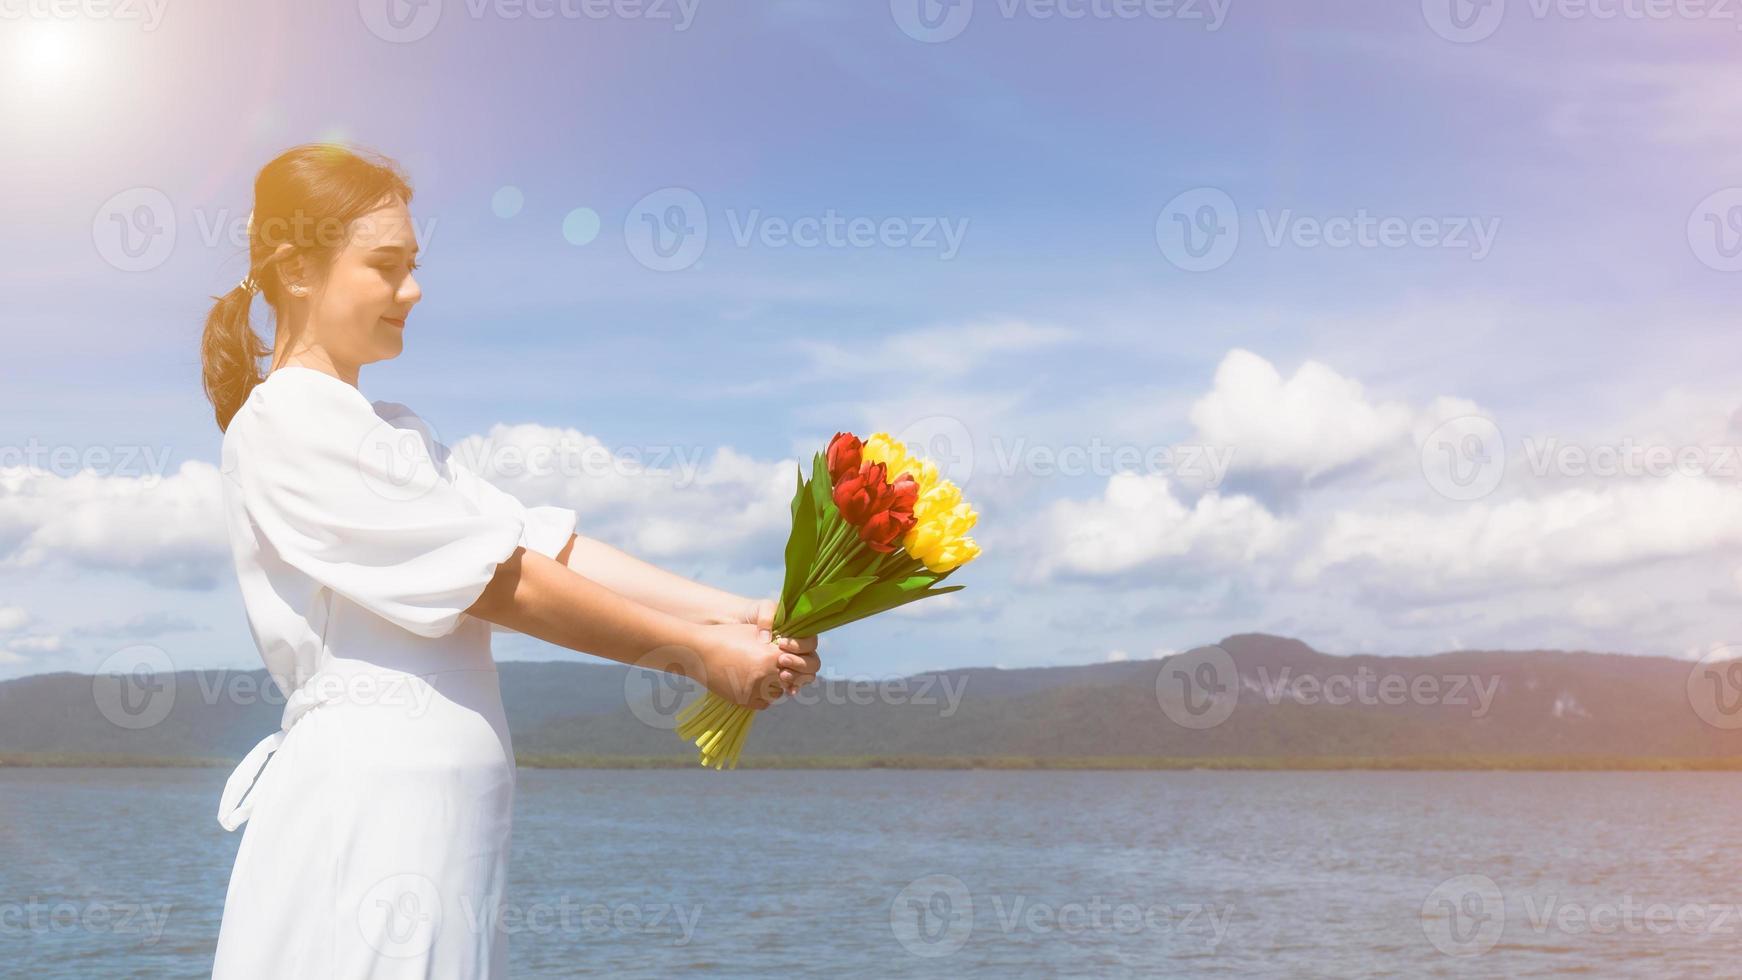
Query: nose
(409, 291)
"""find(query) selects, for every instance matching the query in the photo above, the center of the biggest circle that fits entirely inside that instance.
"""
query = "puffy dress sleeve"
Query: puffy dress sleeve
(547, 528)
(357, 503)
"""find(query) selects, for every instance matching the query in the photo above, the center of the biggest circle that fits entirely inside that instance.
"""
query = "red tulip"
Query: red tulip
(843, 456)
(861, 493)
(905, 490)
(883, 532)
(882, 511)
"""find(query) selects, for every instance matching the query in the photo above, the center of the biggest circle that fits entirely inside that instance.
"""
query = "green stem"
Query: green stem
(827, 555)
(844, 555)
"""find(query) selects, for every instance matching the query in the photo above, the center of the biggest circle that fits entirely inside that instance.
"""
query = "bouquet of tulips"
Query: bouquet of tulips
(873, 528)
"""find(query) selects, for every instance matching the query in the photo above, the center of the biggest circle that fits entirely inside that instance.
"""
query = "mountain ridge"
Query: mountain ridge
(1252, 696)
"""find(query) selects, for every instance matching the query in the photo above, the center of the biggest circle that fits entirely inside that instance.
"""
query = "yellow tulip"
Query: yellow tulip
(942, 519)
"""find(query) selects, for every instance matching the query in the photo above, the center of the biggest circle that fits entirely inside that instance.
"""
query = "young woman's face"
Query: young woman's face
(361, 306)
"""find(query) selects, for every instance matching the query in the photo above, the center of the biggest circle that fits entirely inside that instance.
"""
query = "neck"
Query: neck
(317, 359)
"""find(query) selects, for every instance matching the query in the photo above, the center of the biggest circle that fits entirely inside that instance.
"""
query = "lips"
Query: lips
(395, 321)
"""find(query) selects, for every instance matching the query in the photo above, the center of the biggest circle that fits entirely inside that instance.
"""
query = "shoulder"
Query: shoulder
(297, 411)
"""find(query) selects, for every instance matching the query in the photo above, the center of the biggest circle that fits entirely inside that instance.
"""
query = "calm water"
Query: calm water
(121, 873)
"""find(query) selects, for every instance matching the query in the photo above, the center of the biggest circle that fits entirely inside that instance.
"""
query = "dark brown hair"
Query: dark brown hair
(305, 198)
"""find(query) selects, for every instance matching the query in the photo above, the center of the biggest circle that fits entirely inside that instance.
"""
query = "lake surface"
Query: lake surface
(121, 873)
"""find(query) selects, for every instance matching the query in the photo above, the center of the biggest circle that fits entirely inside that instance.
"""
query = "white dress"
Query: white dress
(377, 840)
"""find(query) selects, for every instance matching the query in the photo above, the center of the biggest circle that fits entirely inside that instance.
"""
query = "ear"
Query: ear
(292, 274)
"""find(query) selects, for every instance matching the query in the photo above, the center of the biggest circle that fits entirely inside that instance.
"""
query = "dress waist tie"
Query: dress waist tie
(233, 809)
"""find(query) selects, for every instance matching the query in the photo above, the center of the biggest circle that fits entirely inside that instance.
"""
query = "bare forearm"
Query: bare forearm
(534, 595)
(653, 586)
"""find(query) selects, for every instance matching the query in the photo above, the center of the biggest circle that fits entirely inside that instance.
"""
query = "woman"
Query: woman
(373, 564)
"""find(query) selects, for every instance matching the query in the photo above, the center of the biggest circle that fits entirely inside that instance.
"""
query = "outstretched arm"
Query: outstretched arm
(532, 594)
(674, 595)
(653, 586)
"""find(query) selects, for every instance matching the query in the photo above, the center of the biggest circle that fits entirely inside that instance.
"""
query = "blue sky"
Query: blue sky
(1558, 188)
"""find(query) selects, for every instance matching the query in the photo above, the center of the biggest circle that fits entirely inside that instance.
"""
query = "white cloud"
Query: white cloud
(38, 643)
(1308, 425)
(1138, 523)
(166, 530)
(1476, 548)
(655, 501)
(13, 618)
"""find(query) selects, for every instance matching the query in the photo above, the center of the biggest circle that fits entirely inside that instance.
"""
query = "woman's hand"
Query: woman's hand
(760, 613)
(742, 665)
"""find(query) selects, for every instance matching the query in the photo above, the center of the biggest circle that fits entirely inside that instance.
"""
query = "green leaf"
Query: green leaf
(801, 548)
(822, 491)
(821, 600)
(864, 609)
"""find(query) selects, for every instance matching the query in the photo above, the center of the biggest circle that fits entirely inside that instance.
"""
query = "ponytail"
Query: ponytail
(230, 353)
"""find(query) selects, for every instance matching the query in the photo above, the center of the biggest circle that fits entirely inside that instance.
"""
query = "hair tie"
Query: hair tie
(249, 285)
